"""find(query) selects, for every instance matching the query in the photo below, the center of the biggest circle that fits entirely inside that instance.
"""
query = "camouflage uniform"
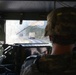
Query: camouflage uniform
(46, 65)
(61, 25)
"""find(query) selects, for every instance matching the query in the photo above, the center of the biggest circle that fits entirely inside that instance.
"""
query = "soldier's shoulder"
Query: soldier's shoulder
(50, 63)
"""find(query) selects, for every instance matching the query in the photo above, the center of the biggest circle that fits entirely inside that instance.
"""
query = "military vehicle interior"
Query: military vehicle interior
(22, 27)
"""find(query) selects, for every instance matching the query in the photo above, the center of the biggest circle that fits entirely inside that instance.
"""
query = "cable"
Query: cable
(64, 4)
(61, 4)
(54, 4)
(67, 4)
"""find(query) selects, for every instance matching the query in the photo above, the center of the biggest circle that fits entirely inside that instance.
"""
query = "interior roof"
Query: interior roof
(33, 6)
(30, 8)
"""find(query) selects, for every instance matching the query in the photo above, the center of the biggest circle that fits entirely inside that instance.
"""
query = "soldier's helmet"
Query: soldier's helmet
(61, 24)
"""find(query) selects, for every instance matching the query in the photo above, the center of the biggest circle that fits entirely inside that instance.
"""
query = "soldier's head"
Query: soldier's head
(61, 25)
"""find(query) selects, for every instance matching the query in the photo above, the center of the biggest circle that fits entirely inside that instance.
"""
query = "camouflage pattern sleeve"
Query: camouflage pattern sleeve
(25, 69)
(46, 65)
(29, 68)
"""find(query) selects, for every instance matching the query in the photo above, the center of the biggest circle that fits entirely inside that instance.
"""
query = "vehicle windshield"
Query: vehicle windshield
(29, 31)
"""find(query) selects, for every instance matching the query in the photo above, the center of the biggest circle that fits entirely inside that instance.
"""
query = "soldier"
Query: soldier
(61, 29)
